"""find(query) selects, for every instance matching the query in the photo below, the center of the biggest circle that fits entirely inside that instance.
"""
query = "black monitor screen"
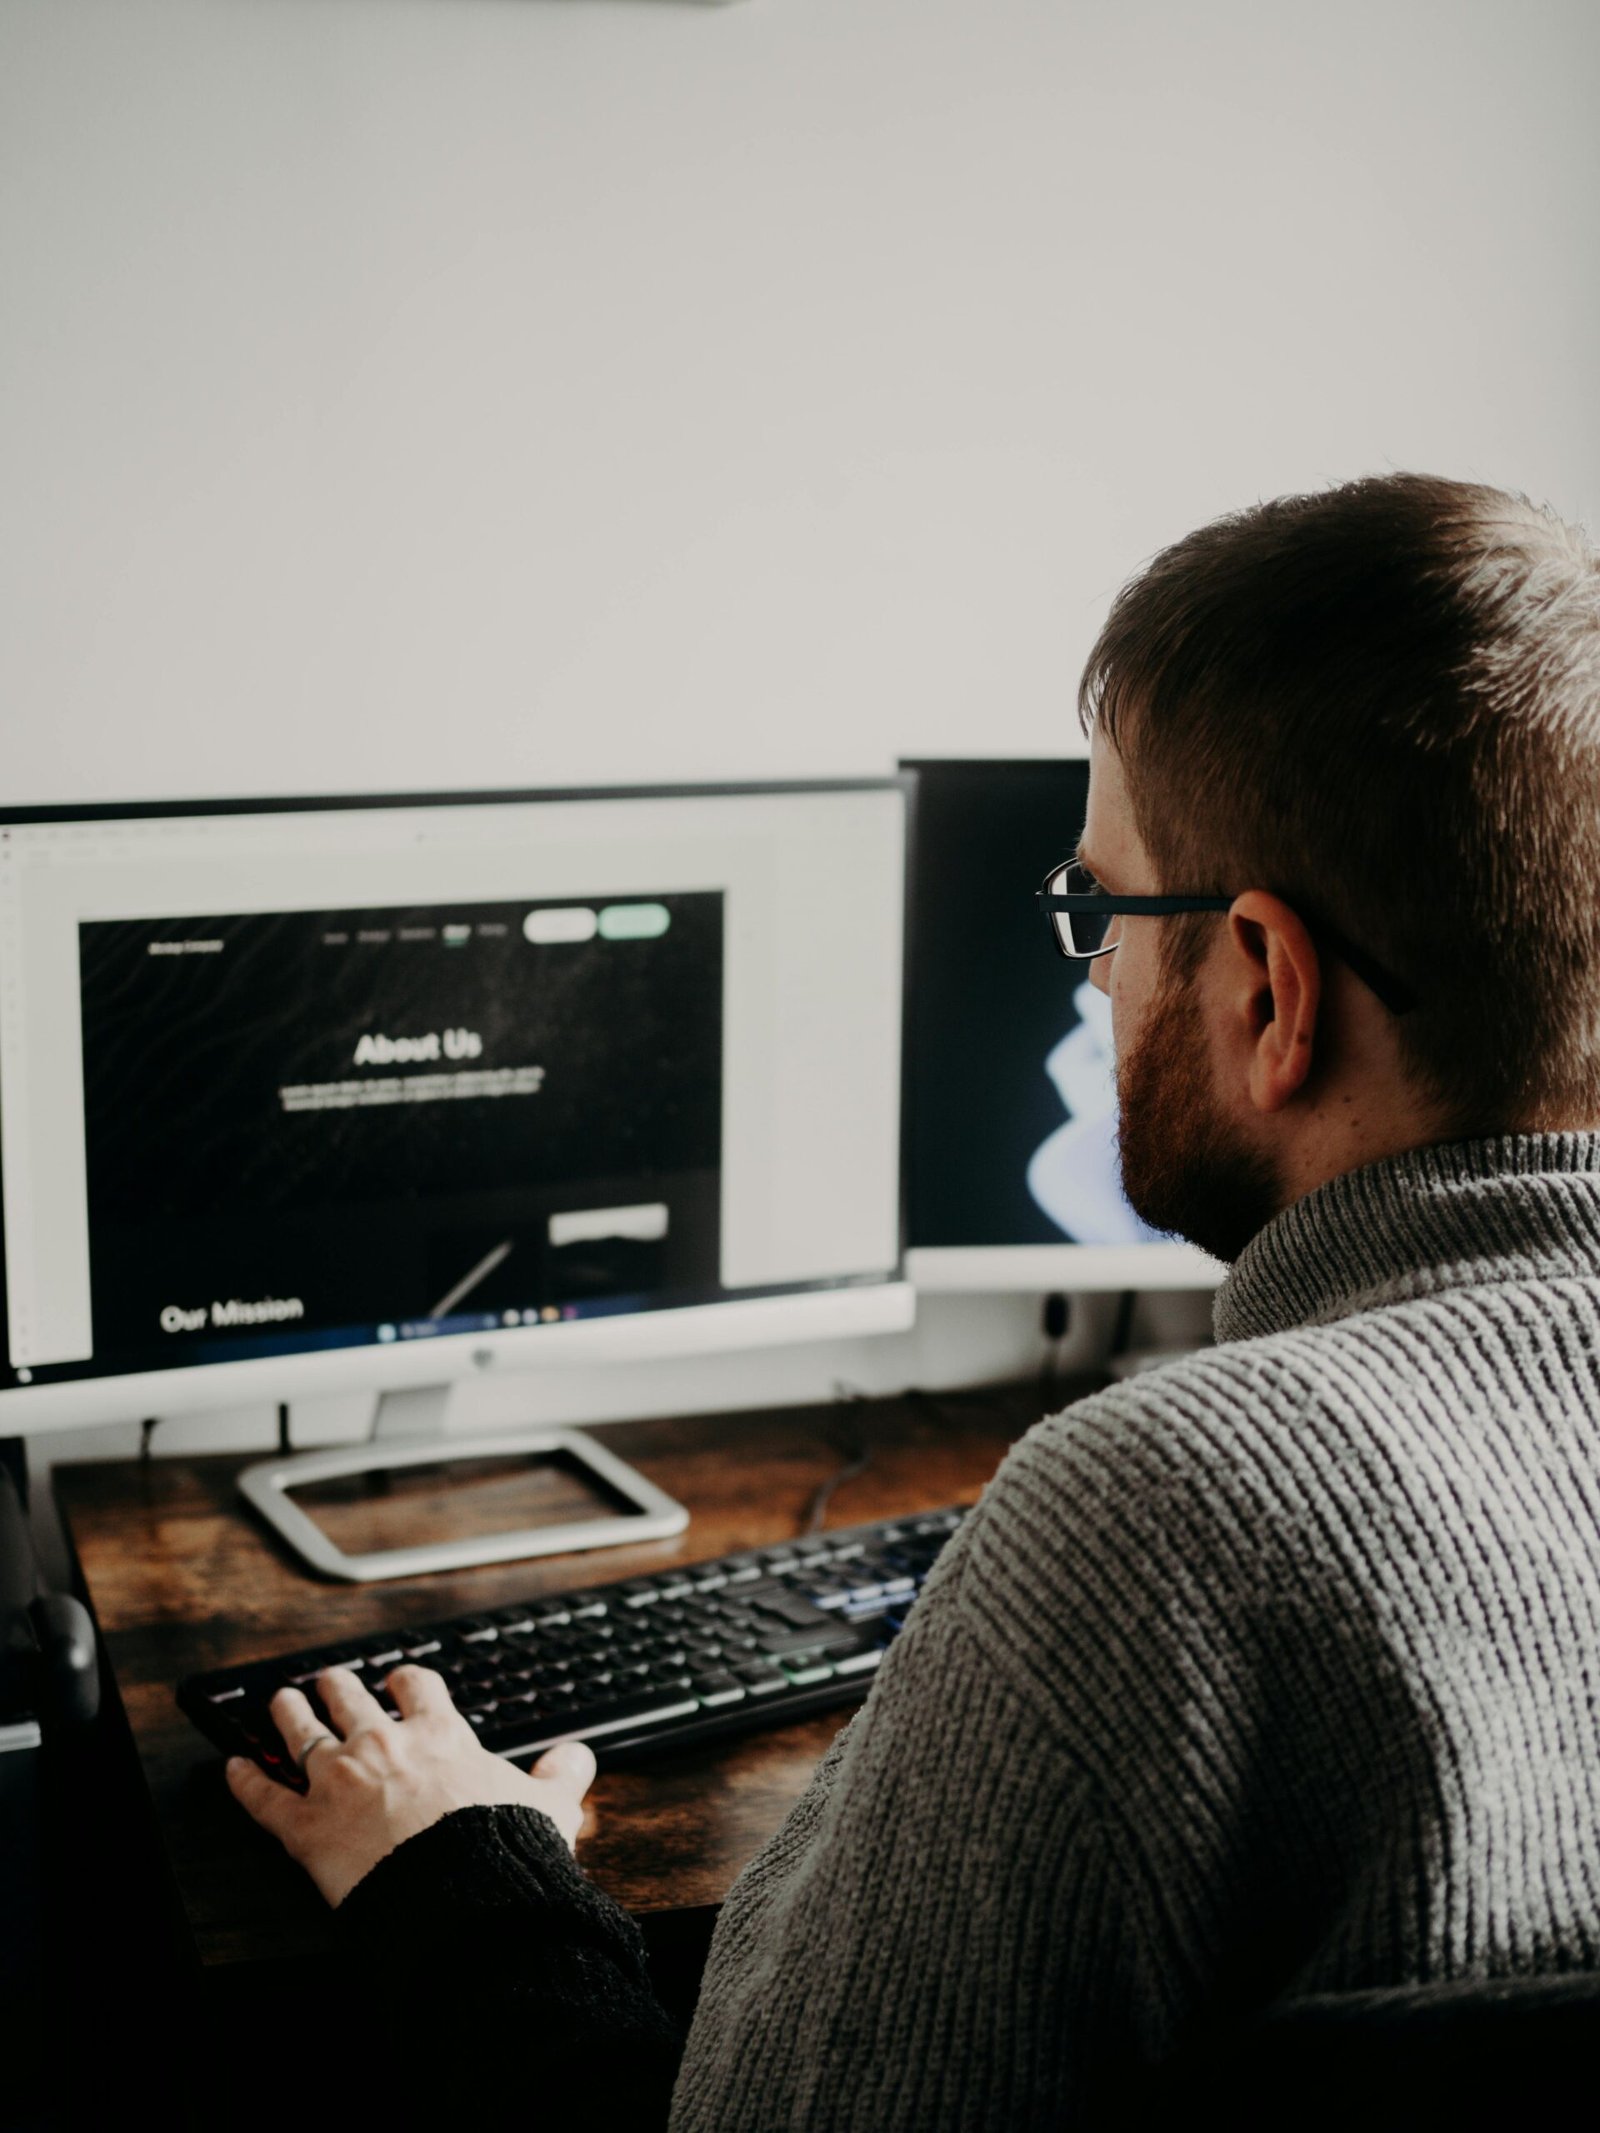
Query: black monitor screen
(1011, 1127)
(384, 1114)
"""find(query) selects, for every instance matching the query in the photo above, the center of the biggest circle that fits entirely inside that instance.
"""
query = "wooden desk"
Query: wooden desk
(182, 1577)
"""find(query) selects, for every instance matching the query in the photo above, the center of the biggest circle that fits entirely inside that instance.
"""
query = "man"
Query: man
(1274, 1670)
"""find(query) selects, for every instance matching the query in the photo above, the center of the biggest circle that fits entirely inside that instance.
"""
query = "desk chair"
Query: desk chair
(1502, 2053)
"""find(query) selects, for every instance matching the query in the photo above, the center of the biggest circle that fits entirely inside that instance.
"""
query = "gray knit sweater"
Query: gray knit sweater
(1276, 1669)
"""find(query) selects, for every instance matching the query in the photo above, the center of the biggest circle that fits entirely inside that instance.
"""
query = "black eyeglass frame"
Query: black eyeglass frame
(1392, 991)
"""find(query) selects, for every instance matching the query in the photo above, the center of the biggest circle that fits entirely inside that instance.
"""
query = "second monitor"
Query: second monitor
(1013, 1178)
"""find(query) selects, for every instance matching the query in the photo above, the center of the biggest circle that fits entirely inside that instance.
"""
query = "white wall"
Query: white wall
(451, 392)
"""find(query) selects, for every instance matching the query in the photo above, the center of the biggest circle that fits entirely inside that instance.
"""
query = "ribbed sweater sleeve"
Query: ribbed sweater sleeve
(954, 1867)
(529, 1986)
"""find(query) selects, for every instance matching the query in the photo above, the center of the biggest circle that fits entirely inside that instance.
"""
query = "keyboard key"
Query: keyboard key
(864, 1588)
(716, 1689)
(803, 1675)
(825, 1635)
(859, 1662)
(761, 1680)
(791, 1608)
(626, 1714)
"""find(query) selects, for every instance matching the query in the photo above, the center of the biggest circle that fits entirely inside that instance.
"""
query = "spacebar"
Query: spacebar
(600, 1719)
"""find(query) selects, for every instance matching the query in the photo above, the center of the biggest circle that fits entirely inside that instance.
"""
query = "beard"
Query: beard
(1186, 1167)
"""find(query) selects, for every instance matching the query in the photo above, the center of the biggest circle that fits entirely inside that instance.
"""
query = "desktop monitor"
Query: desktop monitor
(1012, 1175)
(307, 1095)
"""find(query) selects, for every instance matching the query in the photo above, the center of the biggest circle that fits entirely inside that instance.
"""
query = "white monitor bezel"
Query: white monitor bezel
(831, 1311)
(646, 1336)
(1066, 1269)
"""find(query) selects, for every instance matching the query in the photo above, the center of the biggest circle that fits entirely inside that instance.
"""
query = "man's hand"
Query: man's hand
(374, 1781)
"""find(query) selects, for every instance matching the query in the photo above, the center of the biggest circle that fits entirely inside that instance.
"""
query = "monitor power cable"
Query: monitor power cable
(847, 1439)
(1122, 1326)
(1055, 1323)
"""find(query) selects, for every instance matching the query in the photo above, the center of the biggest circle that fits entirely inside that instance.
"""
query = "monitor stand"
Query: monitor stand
(409, 1437)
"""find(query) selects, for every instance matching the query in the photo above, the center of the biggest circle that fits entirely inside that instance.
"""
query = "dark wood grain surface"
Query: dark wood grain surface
(183, 1577)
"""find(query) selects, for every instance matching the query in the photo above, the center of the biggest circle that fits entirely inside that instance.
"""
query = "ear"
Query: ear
(1278, 995)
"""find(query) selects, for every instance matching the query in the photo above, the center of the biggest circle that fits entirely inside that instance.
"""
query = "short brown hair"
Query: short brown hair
(1382, 702)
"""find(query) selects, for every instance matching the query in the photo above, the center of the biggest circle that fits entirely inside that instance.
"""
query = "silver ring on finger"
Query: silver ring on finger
(316, 1741)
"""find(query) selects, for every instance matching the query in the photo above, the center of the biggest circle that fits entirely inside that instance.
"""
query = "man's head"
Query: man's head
(1371, 716)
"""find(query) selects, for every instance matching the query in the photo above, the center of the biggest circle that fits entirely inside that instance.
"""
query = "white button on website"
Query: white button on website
(646, 1224)
(634, 922)
(573, 922)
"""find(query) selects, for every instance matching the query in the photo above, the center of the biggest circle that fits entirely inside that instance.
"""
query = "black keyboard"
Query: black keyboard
(645, 1664)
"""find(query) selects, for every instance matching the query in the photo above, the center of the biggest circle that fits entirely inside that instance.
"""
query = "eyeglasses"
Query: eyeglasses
(1079, 914)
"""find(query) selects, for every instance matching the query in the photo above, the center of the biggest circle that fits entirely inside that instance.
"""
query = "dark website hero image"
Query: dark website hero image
(312, 1120)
